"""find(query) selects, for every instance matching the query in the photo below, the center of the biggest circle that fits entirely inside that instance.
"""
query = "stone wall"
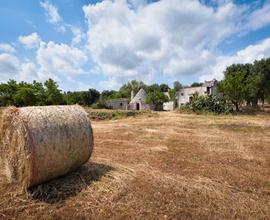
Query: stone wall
(168, 106)
(117, 104)
(139, 105)
(185, 94)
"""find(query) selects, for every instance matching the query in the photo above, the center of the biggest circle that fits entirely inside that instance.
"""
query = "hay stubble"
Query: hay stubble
(171, 166)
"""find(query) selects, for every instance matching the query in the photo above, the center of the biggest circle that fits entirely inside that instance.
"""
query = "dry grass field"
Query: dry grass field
(165, 166)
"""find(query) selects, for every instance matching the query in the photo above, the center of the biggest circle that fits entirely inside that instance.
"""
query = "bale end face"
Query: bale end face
(14, 148)
(41, 143)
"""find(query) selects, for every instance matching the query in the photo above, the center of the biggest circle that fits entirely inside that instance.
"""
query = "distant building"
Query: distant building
(170, 105)
(121, 104)
(185, 95)
(139, 101)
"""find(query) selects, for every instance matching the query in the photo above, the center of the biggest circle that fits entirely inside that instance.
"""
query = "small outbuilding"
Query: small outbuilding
(168, 106)
(139, 101)
(121, 104)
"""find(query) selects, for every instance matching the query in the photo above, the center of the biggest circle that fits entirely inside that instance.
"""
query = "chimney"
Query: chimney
(132, 94)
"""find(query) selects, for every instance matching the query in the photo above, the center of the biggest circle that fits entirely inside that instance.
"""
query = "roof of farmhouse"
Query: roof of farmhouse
(140, 96)
(210, 83)
(118, 100)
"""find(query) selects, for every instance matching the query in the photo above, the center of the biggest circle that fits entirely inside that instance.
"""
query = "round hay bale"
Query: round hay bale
(41, 143)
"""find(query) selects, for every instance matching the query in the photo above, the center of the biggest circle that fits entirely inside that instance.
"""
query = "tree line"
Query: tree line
(48, 93)
(243, 83)
(246, 83)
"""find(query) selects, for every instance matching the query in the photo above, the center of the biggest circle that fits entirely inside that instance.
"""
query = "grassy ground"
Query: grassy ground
(169, 166)
(107, 114)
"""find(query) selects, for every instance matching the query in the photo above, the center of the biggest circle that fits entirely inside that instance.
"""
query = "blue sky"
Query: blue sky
(103, 44)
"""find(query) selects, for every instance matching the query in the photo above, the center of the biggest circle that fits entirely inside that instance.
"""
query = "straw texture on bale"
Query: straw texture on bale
(41, 143)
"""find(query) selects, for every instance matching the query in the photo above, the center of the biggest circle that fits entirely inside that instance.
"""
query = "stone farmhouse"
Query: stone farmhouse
(139, 101)
(185, 95)
(121, 104)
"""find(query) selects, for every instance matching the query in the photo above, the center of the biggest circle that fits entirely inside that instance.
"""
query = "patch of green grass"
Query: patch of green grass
(98, 115)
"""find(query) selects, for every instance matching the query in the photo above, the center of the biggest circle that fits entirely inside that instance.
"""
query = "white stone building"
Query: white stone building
(185, 95)
(139, 101)
(121, 104)
(168, 106)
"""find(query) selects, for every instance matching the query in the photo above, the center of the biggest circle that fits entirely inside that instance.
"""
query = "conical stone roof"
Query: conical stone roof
(140, 96)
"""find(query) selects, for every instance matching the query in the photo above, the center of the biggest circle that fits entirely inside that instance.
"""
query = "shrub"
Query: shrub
(99, 105)
(212, 104)
(98, 115)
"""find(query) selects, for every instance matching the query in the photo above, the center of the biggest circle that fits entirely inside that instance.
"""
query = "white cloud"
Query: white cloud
(55, 19)
(30, 41)
(9, 66)
(62, 28)
(109, 84)
(51, 12)
(60, 62)
(71, 83)
(78, 35)
(57, 61)
(259, 18)
(28, 72)
(60, 59)
(12, 68)
(136, 4)
(7, 48)
(53, 16)
(131, 39)
(247, 55)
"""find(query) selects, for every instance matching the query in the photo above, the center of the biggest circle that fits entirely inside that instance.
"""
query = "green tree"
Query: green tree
(89, 97)
(172, 93)
(155, 96)
(196, 84)
(5, 98)
(72, 98)
(252, 81)
(7, 92)
(233, 87)
(177, 86)
(39, 93)
(261, 69)
(125, 90)
(52, 93)
(109, 94)
(153, 88)
(164, 87)
(25, 97)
